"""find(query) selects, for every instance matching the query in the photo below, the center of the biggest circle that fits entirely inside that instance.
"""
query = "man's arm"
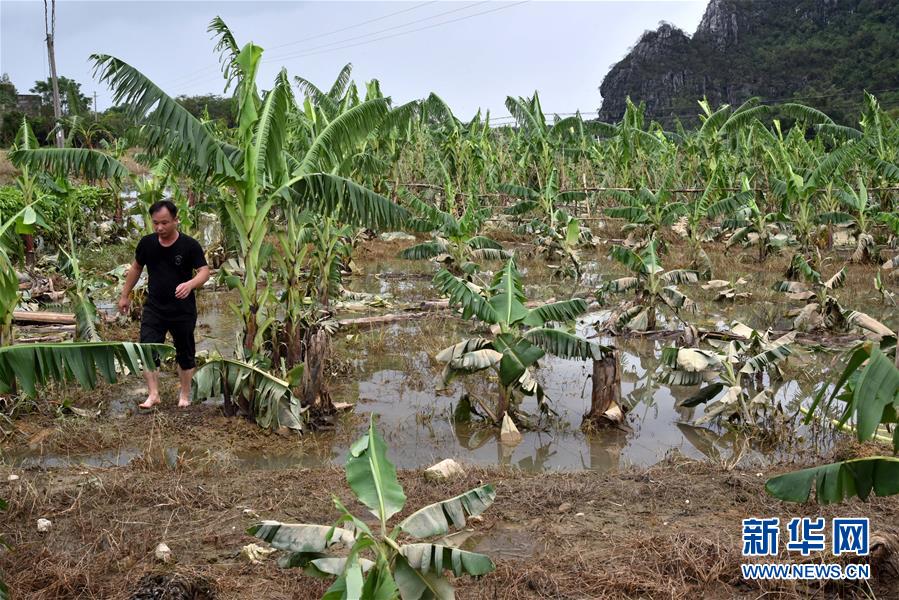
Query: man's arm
(183, 290)
(130, 281)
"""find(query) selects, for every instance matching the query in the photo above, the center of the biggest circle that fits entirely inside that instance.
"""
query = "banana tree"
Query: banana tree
(257, 172)
(864, 212)
(735, 367)
(654, 287)
(457, 242)
(523, 336)
(868, 387)
(646, 211)
(22, 221)
(821, 306)
(380, 563)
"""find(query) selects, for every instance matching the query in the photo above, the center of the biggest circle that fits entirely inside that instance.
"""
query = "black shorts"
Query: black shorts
(153, 328)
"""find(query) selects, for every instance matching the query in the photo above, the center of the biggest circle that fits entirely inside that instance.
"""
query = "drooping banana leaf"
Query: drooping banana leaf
(418, 585)
(461, 294)
(437, 558)
(560, 312)
(518, 355)
(435, 519)
(302, 537)
(38, 364)
(563, 344)
(839, 481)
(270, 398)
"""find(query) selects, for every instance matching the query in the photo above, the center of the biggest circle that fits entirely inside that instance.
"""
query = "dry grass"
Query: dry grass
(628, 534)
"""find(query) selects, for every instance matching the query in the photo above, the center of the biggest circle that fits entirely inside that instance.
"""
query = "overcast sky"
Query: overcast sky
(472, 54)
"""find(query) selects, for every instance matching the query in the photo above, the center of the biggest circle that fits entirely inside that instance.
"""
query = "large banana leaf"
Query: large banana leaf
(838, 481)
(372, 477)
(875, 391)
(271, 400)
(518, 355)
(418, 585)
(461, 294)
(563, 344)
(174, 128)
(302, 537)
(81, 162)
(38, 364)
(507, 297)
(436, 558)
(435, 519)
(347, 201)
(424, 250)
(342, 135)
(565, 310)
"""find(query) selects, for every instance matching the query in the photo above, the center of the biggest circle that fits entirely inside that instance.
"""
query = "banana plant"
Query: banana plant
(751, 224)
(381, 563)
(457, 242)
(543, 201)
(647, 212)
(735, 367)
(22, 221)
(523, 336)
(821, 306)
(868, 387)
(250, 389)
(654, 287)
(864, 212)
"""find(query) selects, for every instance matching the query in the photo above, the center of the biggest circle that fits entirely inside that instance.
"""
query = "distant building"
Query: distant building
(30, 104)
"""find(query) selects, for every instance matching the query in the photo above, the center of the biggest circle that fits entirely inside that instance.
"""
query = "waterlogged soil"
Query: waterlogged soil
(652, 509)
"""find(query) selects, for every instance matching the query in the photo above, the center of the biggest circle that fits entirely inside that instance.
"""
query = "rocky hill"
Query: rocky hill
(820, 52)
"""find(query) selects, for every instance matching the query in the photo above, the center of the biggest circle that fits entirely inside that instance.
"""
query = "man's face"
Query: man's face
(164, 224)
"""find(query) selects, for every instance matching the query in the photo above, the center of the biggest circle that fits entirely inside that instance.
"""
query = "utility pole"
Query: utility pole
(50, 30)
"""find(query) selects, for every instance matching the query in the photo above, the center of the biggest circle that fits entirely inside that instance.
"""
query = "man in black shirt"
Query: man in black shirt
(171, 258)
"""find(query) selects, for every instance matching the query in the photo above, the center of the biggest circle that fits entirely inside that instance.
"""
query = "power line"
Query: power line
(303, 52)
(361, 23)
(402, 33)
(365, 35)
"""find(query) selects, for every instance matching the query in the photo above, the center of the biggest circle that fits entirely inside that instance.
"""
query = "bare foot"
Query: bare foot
(183, 402)
(150, 402)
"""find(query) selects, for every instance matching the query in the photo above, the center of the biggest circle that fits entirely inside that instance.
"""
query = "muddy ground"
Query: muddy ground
(670, 531)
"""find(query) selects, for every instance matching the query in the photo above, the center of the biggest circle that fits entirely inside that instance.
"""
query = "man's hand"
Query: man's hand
(183, 290)
(124, 305)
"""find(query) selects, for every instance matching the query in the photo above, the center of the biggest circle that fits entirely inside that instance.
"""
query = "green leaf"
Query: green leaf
(346, 201)
(436, 558)
(839, 481)
(518, 355)
(38, 364)
(876, 389)
(435, 519)
(72, 162)
(563, 344)
(343, 135)
(372, 477)
(301, 537)
(560, 312)
(461, 294)
(508, 295)
(417, 585)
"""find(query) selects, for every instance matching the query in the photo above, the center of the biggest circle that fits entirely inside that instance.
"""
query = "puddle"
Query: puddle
(392, 374)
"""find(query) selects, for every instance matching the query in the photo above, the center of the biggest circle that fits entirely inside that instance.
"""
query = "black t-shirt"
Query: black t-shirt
(168, 267)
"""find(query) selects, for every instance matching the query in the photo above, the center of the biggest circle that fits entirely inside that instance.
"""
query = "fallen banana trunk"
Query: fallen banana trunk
(42, 317)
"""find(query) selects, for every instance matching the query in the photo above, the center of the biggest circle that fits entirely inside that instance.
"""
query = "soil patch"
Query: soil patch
(671, 531)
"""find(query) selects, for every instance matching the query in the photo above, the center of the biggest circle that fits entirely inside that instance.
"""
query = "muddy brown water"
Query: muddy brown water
(390, 372)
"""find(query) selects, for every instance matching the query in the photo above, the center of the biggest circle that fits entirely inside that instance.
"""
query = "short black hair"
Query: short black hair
(160, 204)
